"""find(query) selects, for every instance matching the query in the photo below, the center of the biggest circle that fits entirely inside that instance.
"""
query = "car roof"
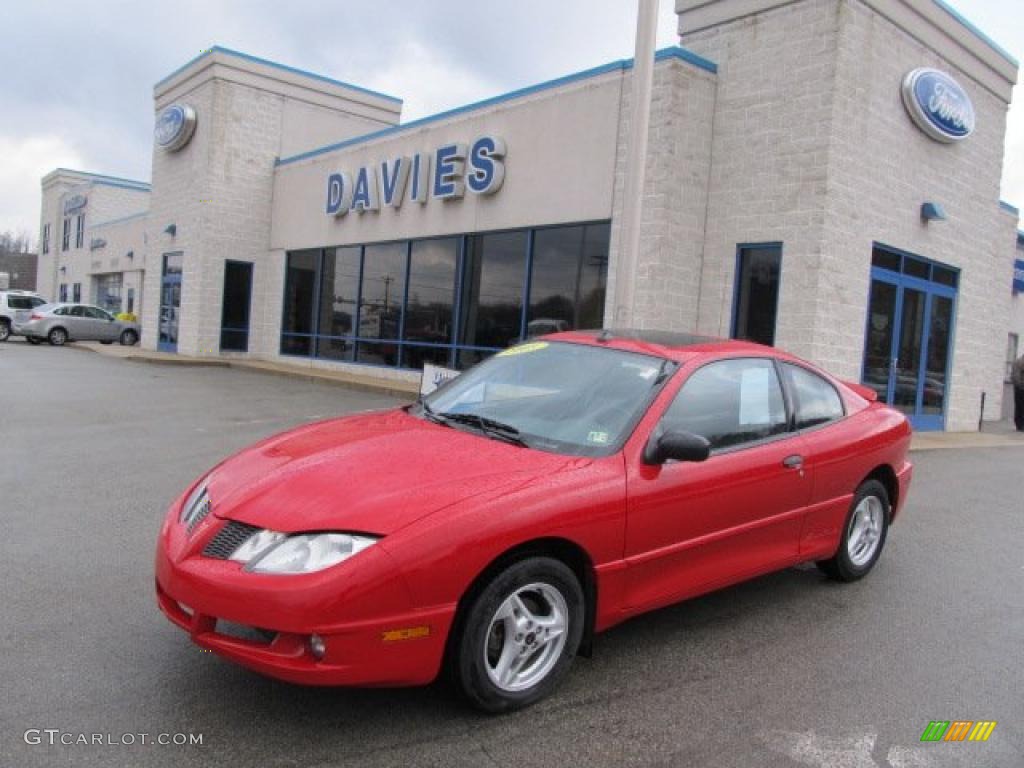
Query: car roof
(673, 345)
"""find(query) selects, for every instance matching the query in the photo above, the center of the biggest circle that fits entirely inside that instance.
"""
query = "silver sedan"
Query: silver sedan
(61, 323)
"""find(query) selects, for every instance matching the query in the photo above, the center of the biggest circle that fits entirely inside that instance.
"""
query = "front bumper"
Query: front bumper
(372, 634)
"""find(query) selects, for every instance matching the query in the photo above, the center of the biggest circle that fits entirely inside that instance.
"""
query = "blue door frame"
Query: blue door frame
(920, 421)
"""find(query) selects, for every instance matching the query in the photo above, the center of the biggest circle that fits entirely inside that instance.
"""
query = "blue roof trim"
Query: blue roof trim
(275, 65)
(119, 220)
(675, 52)
(109, 180)
(1009, 208)
(976, 32)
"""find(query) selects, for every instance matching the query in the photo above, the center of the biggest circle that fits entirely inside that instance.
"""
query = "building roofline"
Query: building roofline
(621, 65)
(974, 30)
(1009, 208)
(275, 65)
(142, 186)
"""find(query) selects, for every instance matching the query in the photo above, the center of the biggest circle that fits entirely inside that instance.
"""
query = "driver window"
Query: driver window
(730, 402)
(78, 311)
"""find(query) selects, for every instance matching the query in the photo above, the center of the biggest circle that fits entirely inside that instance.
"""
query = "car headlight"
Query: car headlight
(269, 551)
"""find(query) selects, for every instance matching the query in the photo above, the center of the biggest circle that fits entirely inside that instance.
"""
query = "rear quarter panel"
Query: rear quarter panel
(840, 456)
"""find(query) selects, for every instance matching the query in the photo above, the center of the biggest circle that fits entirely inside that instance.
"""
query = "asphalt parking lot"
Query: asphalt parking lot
(788, 670)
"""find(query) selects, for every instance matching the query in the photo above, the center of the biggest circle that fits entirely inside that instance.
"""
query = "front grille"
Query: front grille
(228, 539)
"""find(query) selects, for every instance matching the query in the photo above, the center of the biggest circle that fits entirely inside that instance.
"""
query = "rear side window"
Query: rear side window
(816, 400)
(20, 302)
(730, 403)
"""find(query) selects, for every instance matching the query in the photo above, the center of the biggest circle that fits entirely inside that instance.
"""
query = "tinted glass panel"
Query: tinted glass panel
(944, 276)
(234, 324)
(885, 259)
(937, 360)
(908, 353)
(339, 299)
(432, 268)
(20, 302)
(878, 345)
(916, 268)
(567, 281)
(757, 294)
(817, 401)
(492, 292)
(730, 403)
(297, 318)
(380, 308)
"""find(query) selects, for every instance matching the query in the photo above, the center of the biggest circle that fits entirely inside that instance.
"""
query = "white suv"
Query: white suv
(16, 307)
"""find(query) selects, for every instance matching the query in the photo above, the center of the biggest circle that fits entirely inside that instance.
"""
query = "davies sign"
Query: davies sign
(938, 105)
(444, 174)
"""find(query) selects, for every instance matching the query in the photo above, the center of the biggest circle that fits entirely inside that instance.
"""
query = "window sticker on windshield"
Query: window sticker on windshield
(523, 349)
(600, 438)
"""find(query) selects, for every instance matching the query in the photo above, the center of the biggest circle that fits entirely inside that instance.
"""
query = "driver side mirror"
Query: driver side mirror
(677, 445)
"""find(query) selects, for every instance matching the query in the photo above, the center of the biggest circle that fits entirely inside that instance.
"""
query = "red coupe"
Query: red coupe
(556, 489)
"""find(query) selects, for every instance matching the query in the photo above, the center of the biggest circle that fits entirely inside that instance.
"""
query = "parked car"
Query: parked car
(551, 492)
(61, 323)
(15, 307)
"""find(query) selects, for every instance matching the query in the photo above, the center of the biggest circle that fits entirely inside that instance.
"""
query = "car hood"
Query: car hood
(372, 473)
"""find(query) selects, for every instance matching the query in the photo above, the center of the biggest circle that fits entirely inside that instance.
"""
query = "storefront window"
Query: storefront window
(567, 281)
(380, 305)
(299, 293)
(492, 294)
(431, 304)
(108, 292)
(339, 298)
(446, 301)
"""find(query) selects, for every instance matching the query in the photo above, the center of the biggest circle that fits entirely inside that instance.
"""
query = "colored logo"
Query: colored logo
(938, 105)
(74, 203)
(958, 730)
(175, 126)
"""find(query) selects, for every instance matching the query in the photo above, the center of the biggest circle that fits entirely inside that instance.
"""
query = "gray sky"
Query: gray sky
(77, 78)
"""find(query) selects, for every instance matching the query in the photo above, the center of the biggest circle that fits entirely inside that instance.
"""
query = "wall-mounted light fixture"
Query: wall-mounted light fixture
(932, 212)
(171, 229)
(130, 255)
(63, 270)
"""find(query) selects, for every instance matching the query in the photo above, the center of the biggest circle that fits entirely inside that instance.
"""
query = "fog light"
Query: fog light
(317, 647)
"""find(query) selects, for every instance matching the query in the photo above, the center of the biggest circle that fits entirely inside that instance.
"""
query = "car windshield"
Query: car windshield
(561, 397)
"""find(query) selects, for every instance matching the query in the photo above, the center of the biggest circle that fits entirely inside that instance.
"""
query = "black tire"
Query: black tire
(33, 340)
(842, 566)
(129, 338)
(472, 649)
(57, 337)
(5, 330)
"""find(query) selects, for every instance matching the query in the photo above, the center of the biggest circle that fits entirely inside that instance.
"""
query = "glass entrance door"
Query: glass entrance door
(908, 338)
(170, 302)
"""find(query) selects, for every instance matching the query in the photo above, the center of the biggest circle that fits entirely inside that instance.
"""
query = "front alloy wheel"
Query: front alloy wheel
(57, 337)
(520, 635)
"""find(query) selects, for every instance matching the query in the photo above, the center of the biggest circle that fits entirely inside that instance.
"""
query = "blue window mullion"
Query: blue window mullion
(405, 304)
(460, 264)
(526, 283)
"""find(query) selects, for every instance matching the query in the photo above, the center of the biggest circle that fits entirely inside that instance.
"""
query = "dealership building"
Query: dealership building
(822, 175)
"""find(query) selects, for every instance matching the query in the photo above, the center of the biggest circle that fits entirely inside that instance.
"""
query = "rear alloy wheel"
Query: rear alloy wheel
(129, 338)
(520, 635)
(5, 330)
(863, 534)
(57, 337)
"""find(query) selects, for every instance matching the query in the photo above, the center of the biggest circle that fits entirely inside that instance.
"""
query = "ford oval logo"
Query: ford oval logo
(174, 126)
(938, 105)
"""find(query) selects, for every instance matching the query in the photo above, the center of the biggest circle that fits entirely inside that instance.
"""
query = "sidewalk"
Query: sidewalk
(998, 434)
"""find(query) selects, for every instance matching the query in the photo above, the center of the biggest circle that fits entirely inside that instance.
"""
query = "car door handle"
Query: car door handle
(793, 462)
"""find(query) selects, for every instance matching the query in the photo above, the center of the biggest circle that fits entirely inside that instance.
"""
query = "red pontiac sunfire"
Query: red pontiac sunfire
(551, 492)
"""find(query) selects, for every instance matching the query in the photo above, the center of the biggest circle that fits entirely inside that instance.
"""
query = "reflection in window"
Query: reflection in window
(730, 403)
(492, 293)
(567, 280)
(297, 319)
(817, 401)
(428, 316)
(757, 293)
(339, 297)
(380, 307)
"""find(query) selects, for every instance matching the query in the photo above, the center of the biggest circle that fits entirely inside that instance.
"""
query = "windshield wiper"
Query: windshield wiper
(496, 429)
